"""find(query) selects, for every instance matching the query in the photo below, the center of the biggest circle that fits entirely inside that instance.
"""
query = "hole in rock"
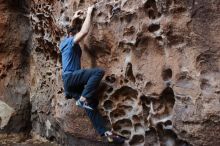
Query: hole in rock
(52, 138)
(101, 90)
(150, 4)
(108, 104)
(121, 82)
(148, 85)
(117, 113)
(159, 38)
(109, 90)
(49, 73)
(135, 118)
(110, 79)
(141, 43)
(167, 74)
(127, 108)
(124, 123)
(183, 76)
(129, 72)
(61, 11)
(151, 14)
(145, 99)
(154, 27)
(168, 94)
(125, 95)
(38, 49)
(81, 2)
(139, 77)
(146, 111)
(115, 98)
(100, 14)
(167, 98)
(137, 139)
(126, 91)
(126, 80)
(151, 137)
(126, 133)
(168, 122)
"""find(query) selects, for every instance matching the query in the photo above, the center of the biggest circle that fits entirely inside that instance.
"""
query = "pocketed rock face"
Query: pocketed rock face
(161, 59)
(14, 69)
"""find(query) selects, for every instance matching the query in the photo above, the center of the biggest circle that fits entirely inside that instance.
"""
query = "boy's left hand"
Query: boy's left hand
(77, 14)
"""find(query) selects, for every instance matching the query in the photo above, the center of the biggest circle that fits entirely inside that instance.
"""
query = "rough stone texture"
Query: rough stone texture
(15, 39)
(162, 70)
(162, 64)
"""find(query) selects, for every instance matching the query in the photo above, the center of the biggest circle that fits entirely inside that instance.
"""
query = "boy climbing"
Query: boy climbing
(81, 84)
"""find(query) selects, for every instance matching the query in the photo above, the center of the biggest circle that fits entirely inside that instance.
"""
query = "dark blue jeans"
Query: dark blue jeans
(84, 83)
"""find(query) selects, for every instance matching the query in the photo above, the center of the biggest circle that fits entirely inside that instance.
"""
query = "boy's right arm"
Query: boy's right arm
(86, 25)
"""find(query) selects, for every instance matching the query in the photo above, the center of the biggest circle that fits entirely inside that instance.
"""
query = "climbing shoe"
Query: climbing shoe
(83, 104)
(111, 137)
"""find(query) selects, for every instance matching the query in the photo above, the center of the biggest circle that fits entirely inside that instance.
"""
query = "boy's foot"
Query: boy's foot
(83, 104)
(111, 137)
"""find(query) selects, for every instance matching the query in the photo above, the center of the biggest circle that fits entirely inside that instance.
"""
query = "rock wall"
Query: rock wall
(162, 69)
(15, 47)
(161, 60)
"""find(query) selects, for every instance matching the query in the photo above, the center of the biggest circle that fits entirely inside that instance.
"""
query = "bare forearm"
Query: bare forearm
(85, 27)
(87, 23)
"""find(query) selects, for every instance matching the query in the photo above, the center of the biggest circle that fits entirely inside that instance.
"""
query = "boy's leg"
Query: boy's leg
(96, 118)
(75, 83)
(94, 77)
(100, 125)
(87, 78)
(85, 82)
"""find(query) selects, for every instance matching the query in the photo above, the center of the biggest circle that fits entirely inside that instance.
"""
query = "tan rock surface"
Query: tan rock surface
(162, 64)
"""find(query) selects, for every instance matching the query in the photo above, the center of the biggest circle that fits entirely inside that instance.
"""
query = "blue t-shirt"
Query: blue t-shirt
(71, 54)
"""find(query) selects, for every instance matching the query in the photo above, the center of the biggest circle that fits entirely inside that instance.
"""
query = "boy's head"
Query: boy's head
(71, 31)
(75, 28)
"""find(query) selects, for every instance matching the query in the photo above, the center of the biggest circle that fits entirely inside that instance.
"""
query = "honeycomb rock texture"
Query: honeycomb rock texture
(162, 70)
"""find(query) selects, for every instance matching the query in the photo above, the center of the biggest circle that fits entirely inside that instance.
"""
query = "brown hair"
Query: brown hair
(76, 28)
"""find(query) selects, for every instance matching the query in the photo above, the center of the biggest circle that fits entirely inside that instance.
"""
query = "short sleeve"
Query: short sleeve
(66, 43)
(70, 41)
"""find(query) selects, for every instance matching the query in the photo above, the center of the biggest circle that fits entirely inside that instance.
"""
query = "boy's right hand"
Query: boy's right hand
(77, 14)
(90, 9)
